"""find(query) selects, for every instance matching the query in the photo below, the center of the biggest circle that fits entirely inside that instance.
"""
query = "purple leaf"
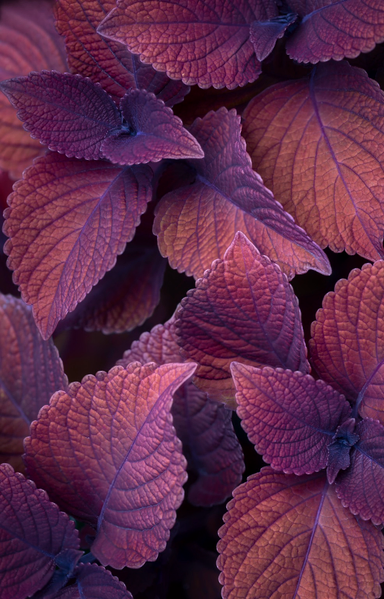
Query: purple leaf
(68, 113)
(264, 34)
(67, 222)
(150, 132)
(290, 417)
(159, 346)
(93, 582)
(339, 450)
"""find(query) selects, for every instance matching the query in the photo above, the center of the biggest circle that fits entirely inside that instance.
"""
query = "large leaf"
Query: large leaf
(29, 42)
(199, 42)
(107, 452)
(35, 537)
(197, 222)
(290, 417)
(334, 29)
(104, 61)
(67, 222)
(30, 372)
(243, 309)
(288, 536)
(318, 144)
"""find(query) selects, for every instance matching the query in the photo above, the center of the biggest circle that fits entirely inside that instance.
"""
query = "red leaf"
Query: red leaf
(93, 582)
(317, 142)
(289, 536)
(29, 42)
(68, 113)
(196, 223)
(152, 132)
(34, 535)
(264, 34)
(54, 221)
(334, 29)
(243, 309)
(107, 452)
(290, 417)
(106, 62)
(30, 371)
(199, 42)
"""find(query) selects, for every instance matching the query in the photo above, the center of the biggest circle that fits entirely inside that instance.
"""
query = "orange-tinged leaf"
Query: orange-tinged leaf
(318, 143)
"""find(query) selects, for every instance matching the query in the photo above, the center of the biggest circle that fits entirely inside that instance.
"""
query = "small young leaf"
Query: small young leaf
(264, 34)
(93, 582)
(339, 450)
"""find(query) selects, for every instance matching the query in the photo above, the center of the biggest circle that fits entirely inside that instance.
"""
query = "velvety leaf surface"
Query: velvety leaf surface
(289, 536)
(107, 452)
(347, 345)
(264, 34)
(28, 42)
(243, 309)
(93, 582)
(318, 144)
(68, 113)
(67, 222)
(33, 535)
(334, 29)
(30, 372)
(289, 416)
(196, 223)
(104, 61)
(150, 133)
(199, 42)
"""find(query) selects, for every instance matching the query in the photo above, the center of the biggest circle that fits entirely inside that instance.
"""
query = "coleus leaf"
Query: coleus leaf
(54, 221)
(104, 61)
(289, 416)
(196, 223)
(317, 144)
(264, 34)
(93, 582)
(339, 450)
(199, 42)
(334, 29)
(315, 548)
(30, 372)
(107, 452)
(243, 309)
(35, 536)
(29, 42)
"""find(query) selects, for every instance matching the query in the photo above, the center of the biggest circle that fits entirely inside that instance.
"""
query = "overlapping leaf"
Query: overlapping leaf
(29, 42)
(107, 452)
(30, 372)
(199, 42)
(196, 223)
(34, 536)
(243, 309)
(290, 417)
(334, 29)
(290, 536)
(318, 144)
(93, 582)
(264, 34)
(67, 222)
(106, 62)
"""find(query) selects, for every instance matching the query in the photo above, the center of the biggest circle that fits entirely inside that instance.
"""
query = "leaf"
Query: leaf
(243, 309)
(29, 42)
(289, 416)
(199, 42)
(93, 582)
(196, 223)
(340, 449)
(289, 536)
(107, 452)
(54, 222)
(68, 113)
(264, 34)
(150, 133)
(106, 62)
(34, 535)
(30, 372)
(334, 29)
(317, 142)
(159, 346)
(347, 345)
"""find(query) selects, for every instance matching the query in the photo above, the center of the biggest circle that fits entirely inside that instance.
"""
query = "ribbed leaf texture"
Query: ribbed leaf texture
(264, 34)
(93, 582)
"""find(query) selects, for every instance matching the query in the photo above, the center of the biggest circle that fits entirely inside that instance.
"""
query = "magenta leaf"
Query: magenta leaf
(67, 222)
(107, 452)
(243, 309)
(150, 132)
(290, 417)
(35, 537)
(68, 113)
(339, 450)
(197, 222)
(264, 34)
(93, 582)
(334, 29)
